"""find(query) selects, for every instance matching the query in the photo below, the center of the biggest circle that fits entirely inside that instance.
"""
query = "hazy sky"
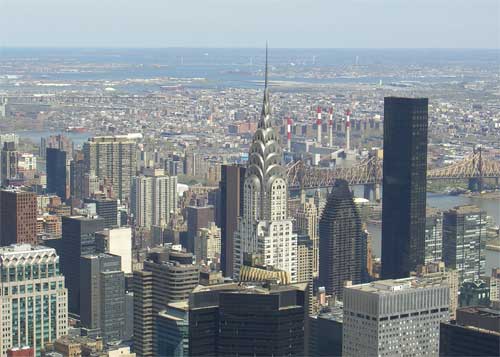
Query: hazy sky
(249, 23)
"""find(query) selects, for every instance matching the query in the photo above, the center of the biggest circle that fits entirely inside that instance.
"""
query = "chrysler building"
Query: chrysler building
(265, 233)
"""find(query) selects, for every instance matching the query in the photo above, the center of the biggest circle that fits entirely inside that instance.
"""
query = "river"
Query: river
(443, 202)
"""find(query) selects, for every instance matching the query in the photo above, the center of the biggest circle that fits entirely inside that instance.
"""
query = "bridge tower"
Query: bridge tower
(476, 183)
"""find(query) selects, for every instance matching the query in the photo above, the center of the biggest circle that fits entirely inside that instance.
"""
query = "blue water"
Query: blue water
(233, 67)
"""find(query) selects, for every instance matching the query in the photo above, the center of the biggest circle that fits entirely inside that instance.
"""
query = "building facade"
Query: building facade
(433, 235)
(18, 216)
(306, 222)
(153, 198)
(398, 317)
(114, 159)
(56, 167)
(340, 241)
(168, 276)
(102, 295)
(78, 239)
(404, 185)
(264, 230)
(34, 299)
(464, 237)
(231, 193)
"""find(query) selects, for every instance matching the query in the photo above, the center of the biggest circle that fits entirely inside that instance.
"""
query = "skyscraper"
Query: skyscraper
(153, 198)
(77, 177)
(231, 193)
(78, 239)
(433, 235)
(18, 213)
(197, 218)
(117, 241)
(113, 158)
(397, 317)
(464, 236)
(102, 295)
(264, 230)
(56, 172)
(168, 276)
(107, 209)
(8, 162)
(306, 221)
(404, 185)
(239, 320)
(340, 241)
(34, 299)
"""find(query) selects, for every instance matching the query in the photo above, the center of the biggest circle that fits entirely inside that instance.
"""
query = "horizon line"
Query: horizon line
(98, 47)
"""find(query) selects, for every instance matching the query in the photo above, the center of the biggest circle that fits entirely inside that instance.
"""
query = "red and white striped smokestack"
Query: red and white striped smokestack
(289, 133)
(330, 127)
(318, 125)
(348, 130)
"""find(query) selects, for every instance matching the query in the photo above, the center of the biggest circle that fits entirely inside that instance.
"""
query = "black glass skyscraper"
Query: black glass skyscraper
(404, 185)
(56, 172)
(340, 241)
(231, 188)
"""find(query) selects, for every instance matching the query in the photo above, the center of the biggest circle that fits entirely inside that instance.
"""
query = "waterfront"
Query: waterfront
(443, 202)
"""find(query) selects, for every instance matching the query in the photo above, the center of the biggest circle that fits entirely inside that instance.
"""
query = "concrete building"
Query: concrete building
(18, 215)
(168, 276)
(207, 245)
(464, 233)
(231, 193)
(197, 218)
(173, 330)
(404, 185)
(305, 251)
(306, 222)
(34, 298)
(117, 241)
(264, 230)
(437, 272)
(102, 295)
(341, 251)
(433, 235)
(153, 198)
(394, 317)
(112, 158)
(78, 239)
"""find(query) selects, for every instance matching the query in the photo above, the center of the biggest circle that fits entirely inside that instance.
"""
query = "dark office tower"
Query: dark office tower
(78, 239)
(56, 172)
(107, 209)
(18, 212)
(102, 295)
(404, 185)
(231, 206)
(8, 162)
(77, 177)
(197, 217)
(239, 320)
(340, 241)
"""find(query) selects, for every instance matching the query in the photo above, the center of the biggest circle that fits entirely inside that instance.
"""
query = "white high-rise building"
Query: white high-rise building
(34, 300)
(398, 317)
(153, 198)
(117, 241)
(265, 232)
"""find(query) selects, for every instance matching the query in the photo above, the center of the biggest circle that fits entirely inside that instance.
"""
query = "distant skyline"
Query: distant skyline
(230, 23)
